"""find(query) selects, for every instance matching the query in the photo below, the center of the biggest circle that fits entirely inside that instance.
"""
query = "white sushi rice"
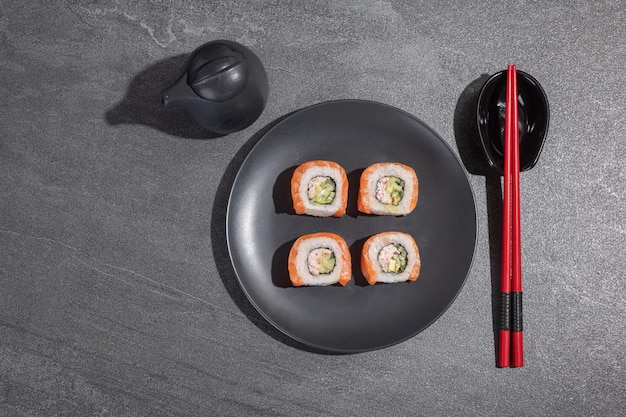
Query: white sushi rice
(321, 210)
(391, 170)
(379, 243)
(302, 261)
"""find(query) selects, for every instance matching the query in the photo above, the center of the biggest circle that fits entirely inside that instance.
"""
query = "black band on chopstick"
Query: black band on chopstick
(505, 311)
(517, 311)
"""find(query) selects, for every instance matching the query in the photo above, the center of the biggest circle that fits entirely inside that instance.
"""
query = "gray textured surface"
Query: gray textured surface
(116, 295)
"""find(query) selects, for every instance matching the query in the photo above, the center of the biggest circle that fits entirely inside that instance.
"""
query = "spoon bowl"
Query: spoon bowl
(533, 119)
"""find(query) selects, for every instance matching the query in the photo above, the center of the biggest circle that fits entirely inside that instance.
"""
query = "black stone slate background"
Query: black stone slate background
(116, 293)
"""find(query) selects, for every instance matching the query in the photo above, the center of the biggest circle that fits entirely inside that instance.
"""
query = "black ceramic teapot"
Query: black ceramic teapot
(224, 87)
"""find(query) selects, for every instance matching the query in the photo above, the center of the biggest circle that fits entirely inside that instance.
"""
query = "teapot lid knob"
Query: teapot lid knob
(218, 72)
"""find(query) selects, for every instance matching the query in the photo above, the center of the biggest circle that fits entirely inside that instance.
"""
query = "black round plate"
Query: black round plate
(261, 226)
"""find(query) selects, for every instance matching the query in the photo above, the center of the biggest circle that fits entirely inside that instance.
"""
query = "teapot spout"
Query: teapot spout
(177, 94)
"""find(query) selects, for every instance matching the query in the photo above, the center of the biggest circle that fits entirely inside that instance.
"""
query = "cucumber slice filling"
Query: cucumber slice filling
(322, 190)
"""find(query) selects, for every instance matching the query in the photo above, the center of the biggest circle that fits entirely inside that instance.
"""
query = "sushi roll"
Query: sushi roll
(390, 257)
(320, 259)
(388, 188)
(320, 188)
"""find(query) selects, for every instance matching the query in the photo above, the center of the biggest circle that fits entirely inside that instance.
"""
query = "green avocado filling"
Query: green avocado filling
(395, 188)
(322, 190)
(393, 258)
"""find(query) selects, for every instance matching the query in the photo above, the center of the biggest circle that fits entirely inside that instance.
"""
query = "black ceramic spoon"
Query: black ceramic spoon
(533, 119)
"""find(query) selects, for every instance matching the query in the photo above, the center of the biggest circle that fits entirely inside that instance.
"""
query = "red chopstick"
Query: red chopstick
(517, 340)
(511, 274)
(504, 336)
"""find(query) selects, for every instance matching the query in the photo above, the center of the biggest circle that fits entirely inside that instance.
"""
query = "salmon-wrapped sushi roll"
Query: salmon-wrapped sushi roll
(320, 259)
(388, 188)
(320, 188)
(390, 257)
